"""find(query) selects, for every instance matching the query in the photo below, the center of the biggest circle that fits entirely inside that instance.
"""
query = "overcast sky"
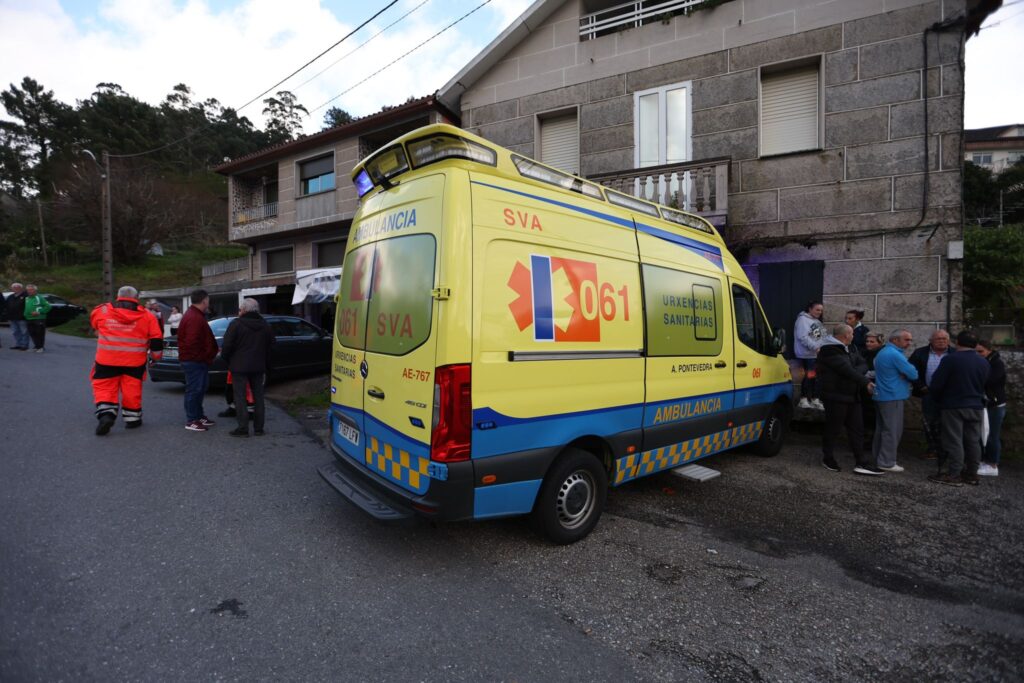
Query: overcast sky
(234, 49)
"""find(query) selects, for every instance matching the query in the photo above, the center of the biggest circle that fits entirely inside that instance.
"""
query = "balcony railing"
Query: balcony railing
(632, 14)
(222, 267)
(700, 187)
(255, 213)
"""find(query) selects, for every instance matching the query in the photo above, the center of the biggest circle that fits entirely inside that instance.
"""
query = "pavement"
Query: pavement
(162, 554)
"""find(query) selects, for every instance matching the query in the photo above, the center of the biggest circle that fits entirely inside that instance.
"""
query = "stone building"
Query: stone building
(824, 138)
(996, 148)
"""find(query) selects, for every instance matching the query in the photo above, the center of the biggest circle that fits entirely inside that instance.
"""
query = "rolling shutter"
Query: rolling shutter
(560, 143)
(789, 111)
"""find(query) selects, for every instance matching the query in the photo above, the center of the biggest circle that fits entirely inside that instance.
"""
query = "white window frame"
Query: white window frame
(263, 260)
(772, 69)
(978, 158)
(663, 122)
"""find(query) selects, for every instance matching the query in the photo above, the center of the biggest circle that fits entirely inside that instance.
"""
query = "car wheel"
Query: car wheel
(571, 498)
(773, 433)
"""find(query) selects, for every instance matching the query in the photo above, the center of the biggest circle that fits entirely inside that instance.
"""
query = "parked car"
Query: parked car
(61, 310)
(300, 348)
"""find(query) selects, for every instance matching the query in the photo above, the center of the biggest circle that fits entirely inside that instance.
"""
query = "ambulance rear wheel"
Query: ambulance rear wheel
(773, 433)
(571, 498)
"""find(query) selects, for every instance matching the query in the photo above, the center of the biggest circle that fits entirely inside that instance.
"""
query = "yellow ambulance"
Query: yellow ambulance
(511, 339)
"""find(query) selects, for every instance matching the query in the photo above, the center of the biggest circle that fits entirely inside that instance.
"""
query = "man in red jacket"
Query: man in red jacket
(197, 348)
(127, 334)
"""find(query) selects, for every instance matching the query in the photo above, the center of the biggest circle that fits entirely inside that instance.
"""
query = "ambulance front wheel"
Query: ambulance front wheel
(773, 433)
(571, 498)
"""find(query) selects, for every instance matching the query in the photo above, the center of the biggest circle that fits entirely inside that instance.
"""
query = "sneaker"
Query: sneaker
(868, 469)
(946, 479)
(134, 424)
(971, 479)
(986, 470)
(804, 404)
(206, 422)
(195, 426)
(817, 404)
(106, 422)
(39, 350)
(830, 464)
(894, 469)
(238, 431)
(230, 412)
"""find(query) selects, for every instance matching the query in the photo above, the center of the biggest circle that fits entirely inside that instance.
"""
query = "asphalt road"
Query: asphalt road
(162, 554)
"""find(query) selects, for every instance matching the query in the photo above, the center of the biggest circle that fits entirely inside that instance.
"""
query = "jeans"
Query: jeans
(197, 381)
(19, 328)
(809, 385)
(838, 416)
(888, 431)
(961, 440)
(994, 445)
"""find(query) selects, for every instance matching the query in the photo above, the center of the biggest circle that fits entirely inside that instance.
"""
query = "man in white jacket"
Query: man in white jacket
(808, 336)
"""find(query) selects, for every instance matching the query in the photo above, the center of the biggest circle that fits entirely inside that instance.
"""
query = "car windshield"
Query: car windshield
(220, 326)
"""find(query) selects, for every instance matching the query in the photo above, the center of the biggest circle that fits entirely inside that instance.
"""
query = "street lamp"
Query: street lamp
(106, 238)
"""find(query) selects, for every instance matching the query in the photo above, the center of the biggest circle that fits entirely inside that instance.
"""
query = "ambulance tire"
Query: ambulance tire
(773, 434)
(571, 498)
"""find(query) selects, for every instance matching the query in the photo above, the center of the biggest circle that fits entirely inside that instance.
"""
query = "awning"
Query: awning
(316, 286)
(258, 291)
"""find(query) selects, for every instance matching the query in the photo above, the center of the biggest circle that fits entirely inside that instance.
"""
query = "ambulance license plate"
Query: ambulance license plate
(350, 434)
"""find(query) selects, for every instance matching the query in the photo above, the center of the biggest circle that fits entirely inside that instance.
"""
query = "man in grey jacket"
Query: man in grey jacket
(808, 336)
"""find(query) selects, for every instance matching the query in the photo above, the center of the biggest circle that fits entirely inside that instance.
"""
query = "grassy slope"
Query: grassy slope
(83, 283)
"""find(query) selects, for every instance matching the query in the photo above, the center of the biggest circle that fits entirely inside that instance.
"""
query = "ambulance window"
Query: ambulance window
(350, 321)
(751, 327)
(401, 300)
(683, 313)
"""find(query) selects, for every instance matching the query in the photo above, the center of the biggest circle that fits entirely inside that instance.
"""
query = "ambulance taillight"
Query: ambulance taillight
(453, 414)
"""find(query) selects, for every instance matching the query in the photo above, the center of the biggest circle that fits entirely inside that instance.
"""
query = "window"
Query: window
(330, 253)
(751, 327)
(278, 261)
(790, 110)
(683, 313)
(385, 304)
(982, 159)
(270, 193)
(560, 143)
(662, 130)
(317, 175)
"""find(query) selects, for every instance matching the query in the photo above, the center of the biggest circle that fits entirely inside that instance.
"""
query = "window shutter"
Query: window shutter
(560, 143)
(316, 167)
(789, 111)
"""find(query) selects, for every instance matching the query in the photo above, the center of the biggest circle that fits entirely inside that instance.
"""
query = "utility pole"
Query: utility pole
(107, 238)
(42, 234)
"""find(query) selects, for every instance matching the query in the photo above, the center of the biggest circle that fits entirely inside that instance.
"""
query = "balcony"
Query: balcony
(631, 15)
(255, 213)
(700, 187)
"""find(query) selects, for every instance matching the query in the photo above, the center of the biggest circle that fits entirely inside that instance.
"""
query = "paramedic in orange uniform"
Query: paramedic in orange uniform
(128, 335)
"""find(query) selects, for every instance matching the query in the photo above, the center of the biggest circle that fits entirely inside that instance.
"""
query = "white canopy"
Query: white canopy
(316, 286)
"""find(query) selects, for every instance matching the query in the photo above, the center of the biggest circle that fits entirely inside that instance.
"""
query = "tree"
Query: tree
(336, 116)
(284, 122)
(41, 127)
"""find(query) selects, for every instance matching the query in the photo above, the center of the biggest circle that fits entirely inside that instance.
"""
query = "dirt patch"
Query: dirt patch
(306, 400)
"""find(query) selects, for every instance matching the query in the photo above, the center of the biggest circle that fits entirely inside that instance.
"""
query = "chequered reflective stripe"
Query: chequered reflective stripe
(397, 465)
(106, 408)
(667, 457)
(131, 415)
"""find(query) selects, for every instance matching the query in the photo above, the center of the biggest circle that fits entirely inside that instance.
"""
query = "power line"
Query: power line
(358, 47)
(395, 61)
(203, 128)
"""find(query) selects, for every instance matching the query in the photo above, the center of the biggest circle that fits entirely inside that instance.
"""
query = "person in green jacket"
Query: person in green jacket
(36, 308)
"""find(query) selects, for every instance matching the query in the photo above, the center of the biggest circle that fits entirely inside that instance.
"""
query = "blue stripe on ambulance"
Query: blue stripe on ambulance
(707, 251)
(543, 306)
(501, 500)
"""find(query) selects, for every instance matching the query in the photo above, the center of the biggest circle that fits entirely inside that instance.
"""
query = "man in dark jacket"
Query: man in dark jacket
(841, 381)
(926, 361)
(197, 347)
(246, 350)
(16, 315)
(959, 387)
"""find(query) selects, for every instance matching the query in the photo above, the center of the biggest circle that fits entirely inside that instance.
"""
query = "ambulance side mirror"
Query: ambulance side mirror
(779, 341)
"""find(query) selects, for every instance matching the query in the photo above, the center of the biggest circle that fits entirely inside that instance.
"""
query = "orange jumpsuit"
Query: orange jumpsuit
(127, 334)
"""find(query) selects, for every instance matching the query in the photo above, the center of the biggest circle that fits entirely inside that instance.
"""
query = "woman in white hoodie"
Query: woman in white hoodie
(808, 336)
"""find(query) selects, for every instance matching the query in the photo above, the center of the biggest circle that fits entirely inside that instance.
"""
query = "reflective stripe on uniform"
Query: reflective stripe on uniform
(102, 408)
(127, 340)
(122, 349)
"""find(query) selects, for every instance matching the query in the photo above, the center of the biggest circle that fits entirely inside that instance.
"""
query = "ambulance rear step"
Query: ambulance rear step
(697, 473)
(362, 498)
